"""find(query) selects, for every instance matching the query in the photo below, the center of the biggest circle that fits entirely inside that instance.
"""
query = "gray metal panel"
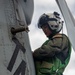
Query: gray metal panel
(10, 63)
(70, 22)
(28, 8)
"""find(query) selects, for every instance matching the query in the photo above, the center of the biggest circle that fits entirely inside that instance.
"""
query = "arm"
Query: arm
(54, 46)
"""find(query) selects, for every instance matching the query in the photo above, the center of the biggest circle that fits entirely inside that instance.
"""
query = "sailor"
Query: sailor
(54, 55)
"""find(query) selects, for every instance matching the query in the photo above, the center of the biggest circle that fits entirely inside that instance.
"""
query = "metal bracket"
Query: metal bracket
(17, 30)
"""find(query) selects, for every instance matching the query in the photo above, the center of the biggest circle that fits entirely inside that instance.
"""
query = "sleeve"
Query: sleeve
(54, 46)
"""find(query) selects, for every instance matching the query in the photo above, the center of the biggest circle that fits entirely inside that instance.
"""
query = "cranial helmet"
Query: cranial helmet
(53, 21)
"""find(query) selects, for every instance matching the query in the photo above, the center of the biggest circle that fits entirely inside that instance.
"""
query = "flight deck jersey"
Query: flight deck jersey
(53, 56)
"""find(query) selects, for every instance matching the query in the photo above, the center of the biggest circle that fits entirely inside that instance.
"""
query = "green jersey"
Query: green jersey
(53, 56)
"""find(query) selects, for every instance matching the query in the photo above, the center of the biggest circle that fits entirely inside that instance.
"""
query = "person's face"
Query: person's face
(46, 30)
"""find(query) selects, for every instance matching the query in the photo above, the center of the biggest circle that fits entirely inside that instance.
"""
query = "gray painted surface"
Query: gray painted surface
(15, 51)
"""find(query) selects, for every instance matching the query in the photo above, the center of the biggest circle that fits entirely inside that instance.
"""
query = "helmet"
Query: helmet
(52, 20)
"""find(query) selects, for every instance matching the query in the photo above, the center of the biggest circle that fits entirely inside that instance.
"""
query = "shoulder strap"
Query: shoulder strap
(58, 36)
